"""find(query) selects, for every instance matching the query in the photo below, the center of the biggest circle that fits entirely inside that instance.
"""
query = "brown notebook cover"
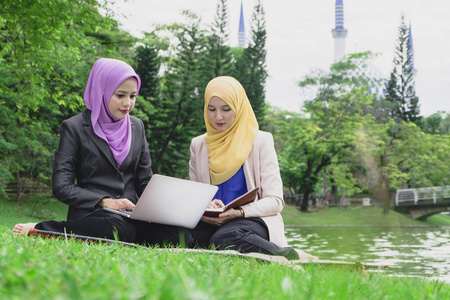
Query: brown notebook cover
(248, 197)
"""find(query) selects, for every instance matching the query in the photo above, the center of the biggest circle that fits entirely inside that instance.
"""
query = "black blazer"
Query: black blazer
(85, 170)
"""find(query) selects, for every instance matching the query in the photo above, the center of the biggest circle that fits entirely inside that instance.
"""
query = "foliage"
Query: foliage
(250, 69)
(177, 114)
(445, 125)
(218, 53)
(147, 65)
(174, 115)
(420, 155)
(341, 141)
(39, 91)
(321, 140)
(400, 90)
(437, 123)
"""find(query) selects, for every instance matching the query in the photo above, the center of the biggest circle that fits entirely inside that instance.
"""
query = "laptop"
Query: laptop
(171, 201)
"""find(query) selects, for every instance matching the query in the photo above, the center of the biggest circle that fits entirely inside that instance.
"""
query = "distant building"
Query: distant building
(241, 34)
(370, 71)
(339, 32)
(411, 52)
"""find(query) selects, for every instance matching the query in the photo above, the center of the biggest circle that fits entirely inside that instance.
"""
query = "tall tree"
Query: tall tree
(335, 113)
(178, 115)
(219, 56)
(251, 68)
(148, 63)
(400, 89)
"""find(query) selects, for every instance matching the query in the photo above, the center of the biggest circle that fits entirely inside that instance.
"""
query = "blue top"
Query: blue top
(232, 188)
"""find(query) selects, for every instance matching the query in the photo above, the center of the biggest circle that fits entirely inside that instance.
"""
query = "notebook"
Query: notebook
(171, 201)
(248, 197)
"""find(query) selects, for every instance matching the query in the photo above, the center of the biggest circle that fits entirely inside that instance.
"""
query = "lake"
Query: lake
(408, 251)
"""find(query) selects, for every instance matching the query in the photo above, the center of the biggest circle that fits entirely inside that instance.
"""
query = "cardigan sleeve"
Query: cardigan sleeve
(192, 162)
(265, 173)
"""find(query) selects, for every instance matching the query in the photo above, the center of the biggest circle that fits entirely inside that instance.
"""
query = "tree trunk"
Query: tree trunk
(306, 193)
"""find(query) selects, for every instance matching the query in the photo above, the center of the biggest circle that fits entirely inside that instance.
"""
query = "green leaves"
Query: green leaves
(46, 52)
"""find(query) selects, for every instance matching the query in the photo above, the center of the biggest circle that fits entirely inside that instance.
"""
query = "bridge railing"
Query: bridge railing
(431, 194)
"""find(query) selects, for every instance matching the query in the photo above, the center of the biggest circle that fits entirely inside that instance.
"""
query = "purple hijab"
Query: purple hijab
(106, 76)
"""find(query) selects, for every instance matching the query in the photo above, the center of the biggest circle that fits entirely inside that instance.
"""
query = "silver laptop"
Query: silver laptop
(172, 201)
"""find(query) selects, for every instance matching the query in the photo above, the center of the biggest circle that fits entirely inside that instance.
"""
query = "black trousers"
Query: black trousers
(160, 235)
(242, 234)
(99, 224)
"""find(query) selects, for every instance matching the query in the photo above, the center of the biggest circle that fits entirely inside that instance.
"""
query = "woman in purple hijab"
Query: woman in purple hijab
(102, 160)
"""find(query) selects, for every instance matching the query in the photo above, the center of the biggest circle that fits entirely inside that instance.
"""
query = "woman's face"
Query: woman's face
(220, 114)
(123, 99)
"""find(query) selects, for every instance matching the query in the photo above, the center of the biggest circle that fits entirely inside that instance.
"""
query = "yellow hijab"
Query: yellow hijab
(229, 149)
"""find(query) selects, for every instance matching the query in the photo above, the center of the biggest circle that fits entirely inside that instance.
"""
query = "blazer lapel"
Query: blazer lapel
(133, 146)
(204, 167)
(99, 142)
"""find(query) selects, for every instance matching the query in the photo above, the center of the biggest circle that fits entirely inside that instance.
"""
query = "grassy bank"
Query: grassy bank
(44, 207)
(56, 269)
(38, 268)
(357, 216)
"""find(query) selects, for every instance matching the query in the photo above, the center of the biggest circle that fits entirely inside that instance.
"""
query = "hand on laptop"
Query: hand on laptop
(117, 204)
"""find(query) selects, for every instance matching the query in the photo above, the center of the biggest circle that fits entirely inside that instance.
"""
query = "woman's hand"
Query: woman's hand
(223, 217)
(216, 203)
(116, 204)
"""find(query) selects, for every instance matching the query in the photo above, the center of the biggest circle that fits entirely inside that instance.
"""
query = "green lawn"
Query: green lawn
(358, 216)
(45, 207)
(36, 268)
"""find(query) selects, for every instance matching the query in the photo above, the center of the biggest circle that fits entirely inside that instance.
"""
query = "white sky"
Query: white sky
(299, 38)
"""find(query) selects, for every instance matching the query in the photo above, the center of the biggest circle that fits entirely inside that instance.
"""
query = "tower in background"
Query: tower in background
(411, 51)
(241, 35)
(339, 32)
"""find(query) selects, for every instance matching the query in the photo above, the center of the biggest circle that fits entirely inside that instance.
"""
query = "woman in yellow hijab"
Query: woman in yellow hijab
(237, 157)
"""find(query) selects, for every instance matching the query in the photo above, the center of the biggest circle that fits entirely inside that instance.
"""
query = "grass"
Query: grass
(31, 209)
(358, 216)
(56, 269)
(38, 268)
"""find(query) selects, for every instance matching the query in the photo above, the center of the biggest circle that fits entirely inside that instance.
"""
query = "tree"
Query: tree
(423, 162)
(178, 113)
(335, 113)
(445, 125)
(39, 91)
(218, 55)
(400, 89)
(432, 124)
(437, 123)
(147, 63)
(250, 69)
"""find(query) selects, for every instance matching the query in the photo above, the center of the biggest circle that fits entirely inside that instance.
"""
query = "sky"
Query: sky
(299, 38)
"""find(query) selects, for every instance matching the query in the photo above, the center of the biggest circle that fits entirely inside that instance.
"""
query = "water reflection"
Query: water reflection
(409, 251)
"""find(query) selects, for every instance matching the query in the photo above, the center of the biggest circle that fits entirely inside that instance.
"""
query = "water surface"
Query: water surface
(409, 251)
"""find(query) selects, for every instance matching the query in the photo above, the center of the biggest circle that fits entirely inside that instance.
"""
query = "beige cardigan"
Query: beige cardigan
(260, 169)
